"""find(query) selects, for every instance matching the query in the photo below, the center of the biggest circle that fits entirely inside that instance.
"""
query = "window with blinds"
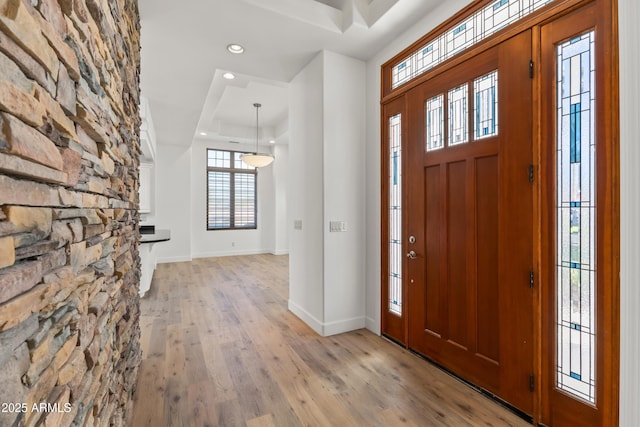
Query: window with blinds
(231, 191)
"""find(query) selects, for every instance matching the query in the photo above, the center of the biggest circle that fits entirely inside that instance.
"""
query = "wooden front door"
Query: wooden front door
(469, 233)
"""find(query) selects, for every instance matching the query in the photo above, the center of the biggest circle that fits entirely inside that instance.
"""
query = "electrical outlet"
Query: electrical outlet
(337, 226)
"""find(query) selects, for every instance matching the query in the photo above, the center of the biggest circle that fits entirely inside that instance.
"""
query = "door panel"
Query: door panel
(456, 298)
(487, 271)
(433, 210)
(471, 308)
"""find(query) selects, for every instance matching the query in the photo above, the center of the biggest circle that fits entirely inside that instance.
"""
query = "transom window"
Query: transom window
(461, 36)
(231, 191)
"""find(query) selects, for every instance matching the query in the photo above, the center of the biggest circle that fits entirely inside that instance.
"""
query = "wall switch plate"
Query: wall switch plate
(297, 224)
(337, 226)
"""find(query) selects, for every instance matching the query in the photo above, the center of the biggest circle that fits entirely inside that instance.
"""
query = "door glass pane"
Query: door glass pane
(435, 122)
(395, 215)
(485, 109)
(458, 117)
(576, 218)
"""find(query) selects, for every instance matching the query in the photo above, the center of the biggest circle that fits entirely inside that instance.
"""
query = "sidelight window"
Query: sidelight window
(395, 215)
(576, 218)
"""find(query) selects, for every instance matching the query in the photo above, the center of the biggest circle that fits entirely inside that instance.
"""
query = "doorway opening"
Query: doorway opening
(500, 211)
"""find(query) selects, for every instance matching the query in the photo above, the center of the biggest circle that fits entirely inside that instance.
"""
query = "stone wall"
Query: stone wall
(69, 265)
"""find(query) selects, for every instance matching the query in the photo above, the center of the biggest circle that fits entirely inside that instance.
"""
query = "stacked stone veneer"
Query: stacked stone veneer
(69, 265)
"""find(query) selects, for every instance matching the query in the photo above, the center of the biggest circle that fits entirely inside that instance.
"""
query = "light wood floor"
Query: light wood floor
(221, 349)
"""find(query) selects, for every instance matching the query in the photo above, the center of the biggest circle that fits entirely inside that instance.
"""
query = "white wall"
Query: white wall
(211, 243)
(173, 201)
(305, 195)
(629, 16)
(180, 206)
(344, 144)
(327, 128)
(267, 206)
(280, 182)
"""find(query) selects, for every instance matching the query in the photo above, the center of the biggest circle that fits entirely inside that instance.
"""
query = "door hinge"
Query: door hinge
(531, 173)
(531, 383)
(531, 279)
(531, 69)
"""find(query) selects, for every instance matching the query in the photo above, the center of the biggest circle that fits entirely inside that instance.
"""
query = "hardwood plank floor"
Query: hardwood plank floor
(220, 348)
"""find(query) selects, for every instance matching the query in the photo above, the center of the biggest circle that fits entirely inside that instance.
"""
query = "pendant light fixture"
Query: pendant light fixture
(257, 160)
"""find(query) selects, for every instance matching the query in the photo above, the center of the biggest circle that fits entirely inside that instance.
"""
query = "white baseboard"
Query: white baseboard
(342, 326)
(166, 260)
(326, 329)
(229, 253)
(279, 252)
(306, 317)
(373, 325)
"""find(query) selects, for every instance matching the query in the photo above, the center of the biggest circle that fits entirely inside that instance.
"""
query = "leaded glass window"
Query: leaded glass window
(466, 33)
(458, 100)
(435, 122)
(395, 215)
(404, 70)
(576, 217)
(485, 108)
(460, 38)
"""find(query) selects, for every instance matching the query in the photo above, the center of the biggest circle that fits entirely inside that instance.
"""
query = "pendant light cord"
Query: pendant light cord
(257, 128)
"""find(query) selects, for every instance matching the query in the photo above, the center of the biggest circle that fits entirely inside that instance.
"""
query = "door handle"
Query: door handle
(412, 255)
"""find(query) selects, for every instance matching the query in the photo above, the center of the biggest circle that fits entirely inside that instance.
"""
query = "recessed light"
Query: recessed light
(229, 76)
(203, 134)
(272, 141)
(235, 48)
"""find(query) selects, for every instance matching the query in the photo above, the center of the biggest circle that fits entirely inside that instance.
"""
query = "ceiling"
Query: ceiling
(184, 57)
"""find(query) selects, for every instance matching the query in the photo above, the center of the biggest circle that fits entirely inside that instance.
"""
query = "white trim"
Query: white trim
(326, 329)
(342, 326)
(167, 260)
(372, 325)
(628, 17)
(229, 253)
(306, 317)
(278, 253)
